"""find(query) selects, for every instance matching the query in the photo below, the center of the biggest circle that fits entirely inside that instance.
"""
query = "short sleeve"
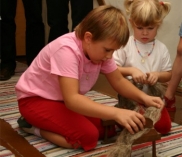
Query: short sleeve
(64, 62)
(119, 56)
(180, 31)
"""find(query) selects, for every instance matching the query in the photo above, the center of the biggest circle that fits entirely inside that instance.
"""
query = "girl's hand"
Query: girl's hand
(138, 76)
(153, 101)
(131, 120)
(152, 78)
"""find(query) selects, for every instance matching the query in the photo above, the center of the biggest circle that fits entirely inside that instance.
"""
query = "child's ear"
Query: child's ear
(88, 37)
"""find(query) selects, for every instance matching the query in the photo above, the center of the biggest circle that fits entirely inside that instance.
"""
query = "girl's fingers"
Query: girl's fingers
(140, 124)
(129, 128)
(135, 125)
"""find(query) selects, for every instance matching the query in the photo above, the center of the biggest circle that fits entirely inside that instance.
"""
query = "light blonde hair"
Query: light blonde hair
(147, 12)
(105, 22)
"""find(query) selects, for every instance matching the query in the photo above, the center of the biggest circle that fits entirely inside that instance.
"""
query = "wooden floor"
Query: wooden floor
(21, 59)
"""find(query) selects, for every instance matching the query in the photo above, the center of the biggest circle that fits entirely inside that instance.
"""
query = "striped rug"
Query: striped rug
(170, 145)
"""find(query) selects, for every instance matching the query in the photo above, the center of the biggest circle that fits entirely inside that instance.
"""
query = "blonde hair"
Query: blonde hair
(147, 12)
(105, 22)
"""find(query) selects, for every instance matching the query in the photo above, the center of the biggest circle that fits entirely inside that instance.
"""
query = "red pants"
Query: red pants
(163, 126)
(55, 117)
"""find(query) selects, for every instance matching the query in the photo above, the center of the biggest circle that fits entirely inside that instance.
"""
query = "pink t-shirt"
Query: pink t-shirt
(62, 57)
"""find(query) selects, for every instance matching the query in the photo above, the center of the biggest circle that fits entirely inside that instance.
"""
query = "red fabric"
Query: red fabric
(163, 126)
(55, 117)
(170, 104)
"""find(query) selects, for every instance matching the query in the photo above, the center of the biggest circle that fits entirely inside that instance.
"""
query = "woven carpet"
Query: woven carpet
(170, 145)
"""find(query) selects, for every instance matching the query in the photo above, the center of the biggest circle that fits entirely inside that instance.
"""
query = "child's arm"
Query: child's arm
(137, 75)
(128, 90)
(154, 77)
(76, 102)
(120, 57)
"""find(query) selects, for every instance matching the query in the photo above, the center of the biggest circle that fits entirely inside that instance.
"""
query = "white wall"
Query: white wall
(168, 32)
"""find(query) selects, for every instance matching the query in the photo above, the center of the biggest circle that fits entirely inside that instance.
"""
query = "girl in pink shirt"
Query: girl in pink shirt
(51, 91)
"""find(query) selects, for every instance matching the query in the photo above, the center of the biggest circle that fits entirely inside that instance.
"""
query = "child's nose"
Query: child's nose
(145, 31)
(109, 55)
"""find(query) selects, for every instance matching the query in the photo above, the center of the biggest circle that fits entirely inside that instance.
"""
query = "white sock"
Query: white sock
(33, 130)
(37, 132)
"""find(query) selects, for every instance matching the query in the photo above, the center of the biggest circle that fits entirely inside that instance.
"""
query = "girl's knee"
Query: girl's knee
(89, 139)
(163, 126)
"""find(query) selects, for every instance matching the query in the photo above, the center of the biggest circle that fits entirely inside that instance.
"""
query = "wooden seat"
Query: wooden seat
(151, 136)
(17, 144)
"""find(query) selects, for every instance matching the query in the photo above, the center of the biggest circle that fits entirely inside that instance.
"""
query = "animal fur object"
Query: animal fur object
(123, 146)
